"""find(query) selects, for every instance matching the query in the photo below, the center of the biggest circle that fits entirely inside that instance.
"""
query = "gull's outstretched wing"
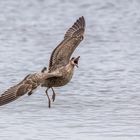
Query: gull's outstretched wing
(14, 92)
(28, 84)
(62, 53)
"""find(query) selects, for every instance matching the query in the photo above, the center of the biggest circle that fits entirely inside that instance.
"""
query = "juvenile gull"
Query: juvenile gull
(59, 72)
(60, 58)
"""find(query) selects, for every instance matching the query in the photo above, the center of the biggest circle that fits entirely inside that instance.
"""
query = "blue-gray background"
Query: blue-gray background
(103, 99)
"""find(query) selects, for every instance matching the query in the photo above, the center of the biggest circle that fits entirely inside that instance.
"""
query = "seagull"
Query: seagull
(59, 72)
(61, 60)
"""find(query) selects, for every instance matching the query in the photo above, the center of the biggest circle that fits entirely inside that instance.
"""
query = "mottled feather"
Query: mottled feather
(28, 84)
(62, 53)
(13, 93)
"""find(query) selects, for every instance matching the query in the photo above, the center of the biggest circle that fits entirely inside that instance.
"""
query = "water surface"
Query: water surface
(103, 99)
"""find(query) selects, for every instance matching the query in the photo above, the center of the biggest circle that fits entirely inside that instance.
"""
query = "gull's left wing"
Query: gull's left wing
(27, 85)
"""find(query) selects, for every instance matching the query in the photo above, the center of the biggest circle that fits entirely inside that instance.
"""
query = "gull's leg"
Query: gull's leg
(53, 96)
(48, 97)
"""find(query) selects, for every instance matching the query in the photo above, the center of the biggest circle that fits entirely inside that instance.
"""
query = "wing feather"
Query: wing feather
(77, 29)
(28, 84)
(62, 53)
(14, 93)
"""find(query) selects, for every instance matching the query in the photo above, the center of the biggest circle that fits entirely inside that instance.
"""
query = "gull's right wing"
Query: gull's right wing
(62, 53)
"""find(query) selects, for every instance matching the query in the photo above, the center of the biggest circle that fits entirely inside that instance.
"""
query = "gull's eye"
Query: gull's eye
(72, 58)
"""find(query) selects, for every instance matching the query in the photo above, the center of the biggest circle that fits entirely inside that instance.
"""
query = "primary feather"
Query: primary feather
(28, 84)
(62, 53)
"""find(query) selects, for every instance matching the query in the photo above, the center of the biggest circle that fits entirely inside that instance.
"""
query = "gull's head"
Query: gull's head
(74, 61)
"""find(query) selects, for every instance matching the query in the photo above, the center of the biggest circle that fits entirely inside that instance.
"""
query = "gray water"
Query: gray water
(103, 99)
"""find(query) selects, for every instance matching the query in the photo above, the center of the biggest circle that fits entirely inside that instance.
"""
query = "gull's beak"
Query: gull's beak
(76, 61)
(77, 65)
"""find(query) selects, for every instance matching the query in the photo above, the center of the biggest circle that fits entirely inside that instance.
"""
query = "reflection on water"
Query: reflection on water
(102, 100)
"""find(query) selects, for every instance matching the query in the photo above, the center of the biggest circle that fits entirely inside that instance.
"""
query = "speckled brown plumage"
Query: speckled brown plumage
(27, 85)
(60, 70)
(60, 57)
(62, 53)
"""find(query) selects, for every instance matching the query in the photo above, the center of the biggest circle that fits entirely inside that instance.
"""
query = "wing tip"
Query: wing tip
(82, 21)
(13, 93)
(79, 24)
(5, 99)
(77, 28)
